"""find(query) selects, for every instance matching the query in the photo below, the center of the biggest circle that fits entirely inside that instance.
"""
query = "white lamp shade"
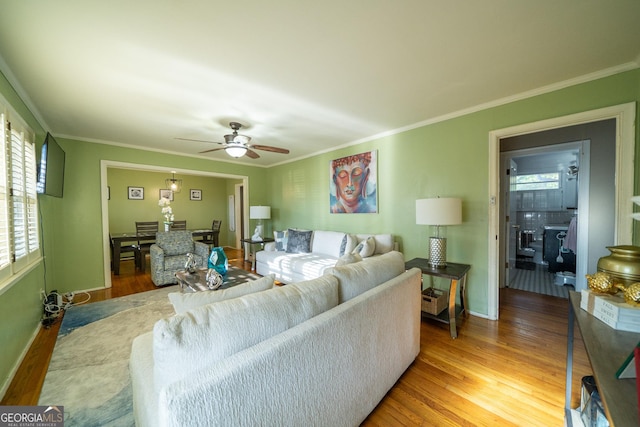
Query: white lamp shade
(439, 211)
(260, 212)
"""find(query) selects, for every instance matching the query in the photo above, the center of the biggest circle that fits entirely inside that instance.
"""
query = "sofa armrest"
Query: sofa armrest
(202, 249)
(156, 251)
(270, 246)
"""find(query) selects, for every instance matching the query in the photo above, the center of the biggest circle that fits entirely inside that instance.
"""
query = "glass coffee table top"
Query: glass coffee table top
(196, 282)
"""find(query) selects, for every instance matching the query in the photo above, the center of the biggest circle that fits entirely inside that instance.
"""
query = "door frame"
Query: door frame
(624, 115)
(106, 164)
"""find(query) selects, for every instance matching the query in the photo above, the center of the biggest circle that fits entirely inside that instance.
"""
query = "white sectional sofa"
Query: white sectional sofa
(317, 353)
(304, 255)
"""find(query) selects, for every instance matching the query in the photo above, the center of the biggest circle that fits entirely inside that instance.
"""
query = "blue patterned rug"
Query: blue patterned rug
(89, 368)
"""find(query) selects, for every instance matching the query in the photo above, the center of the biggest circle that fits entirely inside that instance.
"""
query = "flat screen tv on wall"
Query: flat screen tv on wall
(51, 169)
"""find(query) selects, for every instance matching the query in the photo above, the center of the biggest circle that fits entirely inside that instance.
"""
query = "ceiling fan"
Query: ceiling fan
(237, 145)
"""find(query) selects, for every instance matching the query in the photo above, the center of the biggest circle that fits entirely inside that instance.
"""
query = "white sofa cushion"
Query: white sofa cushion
(361, 276)
(185, 343)
(183, 301)
(328, 242)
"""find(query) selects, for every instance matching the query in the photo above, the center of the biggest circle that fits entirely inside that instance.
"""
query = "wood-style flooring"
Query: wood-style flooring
(506, 372)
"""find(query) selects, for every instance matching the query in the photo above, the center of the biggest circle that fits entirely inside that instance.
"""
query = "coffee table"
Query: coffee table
(196, 282)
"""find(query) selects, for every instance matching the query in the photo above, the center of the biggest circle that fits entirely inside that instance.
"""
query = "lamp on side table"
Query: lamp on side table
(438, 211)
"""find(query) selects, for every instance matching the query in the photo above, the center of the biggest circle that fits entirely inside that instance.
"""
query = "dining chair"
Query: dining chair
(124, 249)
(179, 225)
(146, 235)
(212, 239)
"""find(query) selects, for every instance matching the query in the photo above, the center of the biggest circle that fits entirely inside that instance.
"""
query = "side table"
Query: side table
(457, 274)
(252, 255)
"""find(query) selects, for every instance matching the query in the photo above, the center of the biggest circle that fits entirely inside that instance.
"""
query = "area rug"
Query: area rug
(89, 369)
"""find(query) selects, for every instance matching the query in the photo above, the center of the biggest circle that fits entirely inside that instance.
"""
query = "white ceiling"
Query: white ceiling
(306, 76)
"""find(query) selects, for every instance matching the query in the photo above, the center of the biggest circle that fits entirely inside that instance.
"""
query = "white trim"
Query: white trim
(105, 164)
(582, 241)
(625, 115)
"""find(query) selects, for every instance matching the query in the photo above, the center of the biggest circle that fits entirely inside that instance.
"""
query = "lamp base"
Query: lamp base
(437, 252)
(257, 235)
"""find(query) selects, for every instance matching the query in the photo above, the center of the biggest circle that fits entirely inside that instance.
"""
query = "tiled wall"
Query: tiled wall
(536, 220)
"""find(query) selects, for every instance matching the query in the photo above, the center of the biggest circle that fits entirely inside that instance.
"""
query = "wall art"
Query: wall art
(353, 183)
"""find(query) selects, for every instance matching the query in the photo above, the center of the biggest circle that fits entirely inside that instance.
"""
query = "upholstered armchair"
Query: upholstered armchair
(169, 254)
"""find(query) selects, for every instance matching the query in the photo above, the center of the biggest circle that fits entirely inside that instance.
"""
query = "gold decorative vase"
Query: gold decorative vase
(623, 264)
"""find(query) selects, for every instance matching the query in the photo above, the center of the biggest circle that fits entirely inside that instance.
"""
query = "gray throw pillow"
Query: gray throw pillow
(299, 242)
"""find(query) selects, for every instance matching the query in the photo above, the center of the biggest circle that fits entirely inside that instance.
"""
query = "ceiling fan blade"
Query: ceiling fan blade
(201, 140)
(252, 154)
(213, 149)
(269, 148)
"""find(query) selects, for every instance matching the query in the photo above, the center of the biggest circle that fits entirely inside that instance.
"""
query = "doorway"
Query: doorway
(106, 164)
(542, 188)
(623, 117)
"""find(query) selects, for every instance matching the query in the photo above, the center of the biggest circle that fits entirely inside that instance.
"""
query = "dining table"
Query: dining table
(117, 239)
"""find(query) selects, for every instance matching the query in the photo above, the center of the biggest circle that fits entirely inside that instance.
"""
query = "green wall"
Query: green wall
(448, 158)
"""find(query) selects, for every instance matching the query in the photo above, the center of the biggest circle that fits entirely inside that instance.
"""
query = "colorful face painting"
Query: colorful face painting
(353, 186)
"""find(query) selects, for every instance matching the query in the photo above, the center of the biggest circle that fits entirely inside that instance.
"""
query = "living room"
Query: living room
(447, 155)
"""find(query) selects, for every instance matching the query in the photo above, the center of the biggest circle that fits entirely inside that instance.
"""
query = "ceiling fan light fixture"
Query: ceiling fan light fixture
(242, 139)
(235, 150)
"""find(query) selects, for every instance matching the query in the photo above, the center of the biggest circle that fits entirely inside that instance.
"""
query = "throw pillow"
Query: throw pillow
(281, 238)
(384, 242)
(299, 242)
(183, 302)
(348, 259)
(195, 340)
(343, 245)
(352, 242)
(365, 248)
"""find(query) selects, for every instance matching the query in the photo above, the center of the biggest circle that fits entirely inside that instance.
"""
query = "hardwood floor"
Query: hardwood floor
(510, 372)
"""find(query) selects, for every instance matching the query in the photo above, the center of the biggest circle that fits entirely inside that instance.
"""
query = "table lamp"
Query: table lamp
(438, 211)
(260, 213)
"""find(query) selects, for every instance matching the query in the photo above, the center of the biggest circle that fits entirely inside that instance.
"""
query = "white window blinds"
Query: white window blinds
(23, 198)
(5, 248)
(19, 237)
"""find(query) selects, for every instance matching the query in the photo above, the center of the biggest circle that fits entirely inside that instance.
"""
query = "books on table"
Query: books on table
(612, 310)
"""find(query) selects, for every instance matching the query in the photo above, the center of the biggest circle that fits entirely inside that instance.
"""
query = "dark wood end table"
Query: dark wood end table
(457, 275)
(252, 255)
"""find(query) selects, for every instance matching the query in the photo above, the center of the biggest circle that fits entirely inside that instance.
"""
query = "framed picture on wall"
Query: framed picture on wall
(167, 194)
(136, 193)
(353, 183)
(195, 194)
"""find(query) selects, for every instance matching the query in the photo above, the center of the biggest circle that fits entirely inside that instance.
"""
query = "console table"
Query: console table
(457, 275)
(606, 348)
